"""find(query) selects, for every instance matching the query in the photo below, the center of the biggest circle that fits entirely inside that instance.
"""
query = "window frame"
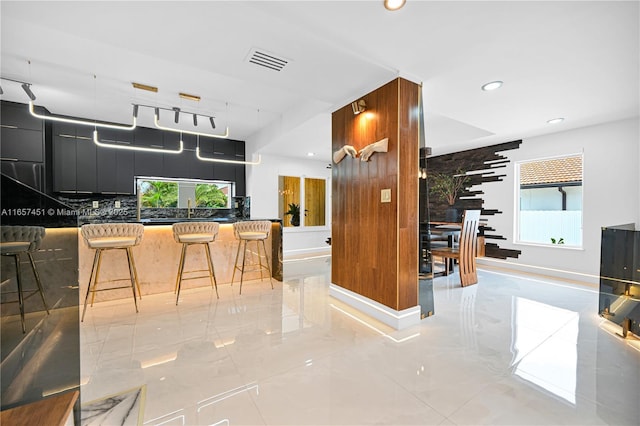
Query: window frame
(517, 204)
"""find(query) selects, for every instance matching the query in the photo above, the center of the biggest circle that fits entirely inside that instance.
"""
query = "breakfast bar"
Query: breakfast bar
(158, 255)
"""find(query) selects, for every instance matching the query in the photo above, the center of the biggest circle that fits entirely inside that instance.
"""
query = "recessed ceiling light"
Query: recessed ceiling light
(492, 85)
(310, 154)
(555, 120)
(394, 4)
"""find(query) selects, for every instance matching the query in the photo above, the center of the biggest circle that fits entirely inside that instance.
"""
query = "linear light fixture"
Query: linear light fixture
(96, 140)
(189, 97)
(221, 160)
(82, 122)
(144, 87)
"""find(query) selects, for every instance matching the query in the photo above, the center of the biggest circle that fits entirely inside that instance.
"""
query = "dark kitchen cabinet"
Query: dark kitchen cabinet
(17, 116)
(115, 172)
(203, 169)
(74, 159)
(21, 135)
(86, 159)
(22, 145)
(179, 165)
(148, 163)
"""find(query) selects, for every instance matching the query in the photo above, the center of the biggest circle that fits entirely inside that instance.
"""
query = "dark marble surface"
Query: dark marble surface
(127, 211)
(45, 359)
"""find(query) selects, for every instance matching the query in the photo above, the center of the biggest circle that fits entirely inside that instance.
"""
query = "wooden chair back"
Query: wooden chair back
(468, 247)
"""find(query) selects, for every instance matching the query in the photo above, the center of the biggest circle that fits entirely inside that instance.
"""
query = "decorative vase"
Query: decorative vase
(451, 215)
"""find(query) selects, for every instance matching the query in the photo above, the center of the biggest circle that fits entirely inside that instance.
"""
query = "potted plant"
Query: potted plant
(294, 212)
(447, 187)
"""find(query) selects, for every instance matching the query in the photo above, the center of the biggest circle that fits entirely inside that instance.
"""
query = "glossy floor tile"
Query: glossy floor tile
(514, 349)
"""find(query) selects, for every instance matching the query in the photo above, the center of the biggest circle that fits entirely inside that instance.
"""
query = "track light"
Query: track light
(1, 91)
(177, 112)
(206, 135)
(27, 89)
(135, 111)
(359, 106)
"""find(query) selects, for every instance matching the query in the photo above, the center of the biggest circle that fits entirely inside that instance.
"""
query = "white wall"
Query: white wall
(611, 195)
(262, 187)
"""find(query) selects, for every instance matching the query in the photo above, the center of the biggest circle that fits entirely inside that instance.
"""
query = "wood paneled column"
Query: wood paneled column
(375, 244)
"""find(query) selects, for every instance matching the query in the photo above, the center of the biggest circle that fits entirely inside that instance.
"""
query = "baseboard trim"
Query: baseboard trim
(551, 272)
(314, 250)
(396, 319)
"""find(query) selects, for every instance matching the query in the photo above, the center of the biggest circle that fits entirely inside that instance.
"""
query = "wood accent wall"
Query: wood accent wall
(374, 244)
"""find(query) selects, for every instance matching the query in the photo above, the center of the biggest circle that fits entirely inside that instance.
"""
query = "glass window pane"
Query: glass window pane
(550, 201)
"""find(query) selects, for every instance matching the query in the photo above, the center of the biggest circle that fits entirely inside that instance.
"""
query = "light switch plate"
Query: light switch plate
(95, 205)
(117, 204)
(385, 195)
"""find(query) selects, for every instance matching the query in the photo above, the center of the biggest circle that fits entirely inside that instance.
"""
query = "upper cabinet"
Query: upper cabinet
(22, 145)
(22, 135)
(80, 166)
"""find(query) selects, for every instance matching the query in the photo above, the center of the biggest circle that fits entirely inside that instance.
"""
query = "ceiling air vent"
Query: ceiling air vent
(266, 59)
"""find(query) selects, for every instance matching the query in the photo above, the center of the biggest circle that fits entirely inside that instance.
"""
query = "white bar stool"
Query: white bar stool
(257, 231)
(112, 236)
(191, 233)
(17, 240)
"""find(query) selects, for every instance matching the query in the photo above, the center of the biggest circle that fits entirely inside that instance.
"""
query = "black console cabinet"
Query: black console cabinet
(620, 277)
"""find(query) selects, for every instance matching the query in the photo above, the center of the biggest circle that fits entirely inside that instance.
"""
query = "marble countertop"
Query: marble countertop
(170, 220)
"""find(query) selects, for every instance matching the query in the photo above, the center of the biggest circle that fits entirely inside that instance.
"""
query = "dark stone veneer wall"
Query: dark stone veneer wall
(485, 163)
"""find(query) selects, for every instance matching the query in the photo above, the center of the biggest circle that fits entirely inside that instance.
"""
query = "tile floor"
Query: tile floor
(513, 349)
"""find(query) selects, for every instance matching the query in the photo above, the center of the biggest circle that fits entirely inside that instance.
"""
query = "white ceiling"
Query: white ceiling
(577, 60)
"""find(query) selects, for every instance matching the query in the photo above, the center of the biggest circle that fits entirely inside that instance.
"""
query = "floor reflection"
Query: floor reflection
(510, 350)
(544, 342)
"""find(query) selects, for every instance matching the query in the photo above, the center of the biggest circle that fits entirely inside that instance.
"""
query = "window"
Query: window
(549, 201)
(166, 193)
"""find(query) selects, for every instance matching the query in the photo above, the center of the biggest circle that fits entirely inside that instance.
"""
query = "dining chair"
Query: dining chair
(466, 251)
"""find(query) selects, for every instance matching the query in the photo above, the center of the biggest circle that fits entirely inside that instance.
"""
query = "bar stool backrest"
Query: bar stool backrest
(182, 228)
(32, 234)
(263, 226)
(107, 230)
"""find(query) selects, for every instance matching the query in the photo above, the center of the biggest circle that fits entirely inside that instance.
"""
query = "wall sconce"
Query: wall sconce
(359, 106)
(422, 174)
